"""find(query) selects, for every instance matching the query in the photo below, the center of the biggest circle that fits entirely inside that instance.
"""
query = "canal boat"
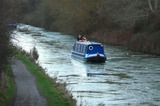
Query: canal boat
(89, 51)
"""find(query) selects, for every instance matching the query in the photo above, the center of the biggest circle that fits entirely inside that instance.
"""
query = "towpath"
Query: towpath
(27, 92)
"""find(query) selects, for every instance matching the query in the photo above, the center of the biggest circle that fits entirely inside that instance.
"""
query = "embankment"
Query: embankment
(139, 42)
(55, 94)
(143, 37)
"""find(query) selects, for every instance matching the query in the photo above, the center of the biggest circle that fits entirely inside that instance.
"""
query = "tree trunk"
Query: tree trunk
(156, 4)
(153, 8)
(150, 5)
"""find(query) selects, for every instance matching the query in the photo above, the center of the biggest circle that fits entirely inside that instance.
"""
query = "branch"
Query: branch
(150, 5)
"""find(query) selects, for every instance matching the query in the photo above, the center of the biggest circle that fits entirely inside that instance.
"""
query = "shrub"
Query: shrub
(34, 54)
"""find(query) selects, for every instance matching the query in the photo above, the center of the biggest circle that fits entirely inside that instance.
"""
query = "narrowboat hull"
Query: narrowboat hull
(97, 58)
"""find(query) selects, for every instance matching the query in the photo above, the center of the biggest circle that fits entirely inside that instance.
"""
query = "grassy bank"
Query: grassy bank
(47, 86)
(8, 88)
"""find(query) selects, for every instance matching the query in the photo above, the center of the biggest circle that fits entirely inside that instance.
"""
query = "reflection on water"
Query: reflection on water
(127, 78)
(88, 69)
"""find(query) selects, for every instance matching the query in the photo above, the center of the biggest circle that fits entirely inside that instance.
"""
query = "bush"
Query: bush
(34, 54)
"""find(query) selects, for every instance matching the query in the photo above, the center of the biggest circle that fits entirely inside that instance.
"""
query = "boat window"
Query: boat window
(90, 47)
(84, 49)
(78, 47)
(81, 48)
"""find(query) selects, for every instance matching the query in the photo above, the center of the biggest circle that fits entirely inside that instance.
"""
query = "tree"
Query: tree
(4, 41)
(153, 5)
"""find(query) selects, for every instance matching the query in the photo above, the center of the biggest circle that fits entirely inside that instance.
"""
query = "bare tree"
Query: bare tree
(150, 3)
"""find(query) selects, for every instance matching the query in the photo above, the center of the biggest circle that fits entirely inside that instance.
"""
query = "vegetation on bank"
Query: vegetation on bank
(55, 94)
(8, 88)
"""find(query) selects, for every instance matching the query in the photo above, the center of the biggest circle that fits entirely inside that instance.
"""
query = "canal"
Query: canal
(126, 78)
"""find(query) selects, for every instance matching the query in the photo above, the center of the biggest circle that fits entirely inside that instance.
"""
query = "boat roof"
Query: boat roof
(88, 43)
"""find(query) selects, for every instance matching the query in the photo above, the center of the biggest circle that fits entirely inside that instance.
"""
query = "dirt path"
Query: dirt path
(27, 92)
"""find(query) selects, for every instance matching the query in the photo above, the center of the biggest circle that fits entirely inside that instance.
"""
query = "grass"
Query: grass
(47, 86)
(8, 89)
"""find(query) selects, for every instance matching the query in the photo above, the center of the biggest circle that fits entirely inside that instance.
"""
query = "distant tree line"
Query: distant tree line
(73, 16)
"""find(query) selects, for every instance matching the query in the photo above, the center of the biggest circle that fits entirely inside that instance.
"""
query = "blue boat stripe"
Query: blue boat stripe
(79, 54)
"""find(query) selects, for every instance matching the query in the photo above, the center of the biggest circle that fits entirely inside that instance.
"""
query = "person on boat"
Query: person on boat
(79, 37)
(84, 38)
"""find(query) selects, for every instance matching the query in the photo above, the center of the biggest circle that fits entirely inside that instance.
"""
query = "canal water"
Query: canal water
(126, 78)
